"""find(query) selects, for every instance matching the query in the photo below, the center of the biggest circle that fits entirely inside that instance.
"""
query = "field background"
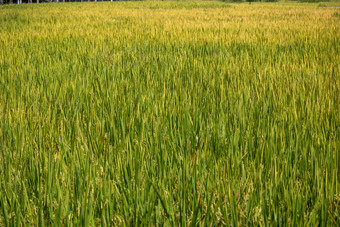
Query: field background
(136, 113)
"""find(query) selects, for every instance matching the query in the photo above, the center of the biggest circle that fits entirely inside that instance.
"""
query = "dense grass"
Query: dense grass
(169, 113)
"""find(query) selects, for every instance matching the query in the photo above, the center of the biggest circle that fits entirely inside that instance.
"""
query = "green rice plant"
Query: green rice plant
(169, 113)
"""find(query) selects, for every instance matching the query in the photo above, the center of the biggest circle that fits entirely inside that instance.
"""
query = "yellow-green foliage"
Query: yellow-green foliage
(170, 113)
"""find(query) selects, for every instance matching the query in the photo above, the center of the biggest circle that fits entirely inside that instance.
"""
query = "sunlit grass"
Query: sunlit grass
(169, 113)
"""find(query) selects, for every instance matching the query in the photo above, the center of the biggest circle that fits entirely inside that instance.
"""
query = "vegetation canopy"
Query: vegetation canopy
(169, 113)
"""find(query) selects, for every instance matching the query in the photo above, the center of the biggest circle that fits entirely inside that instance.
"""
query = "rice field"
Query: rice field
(158, 113)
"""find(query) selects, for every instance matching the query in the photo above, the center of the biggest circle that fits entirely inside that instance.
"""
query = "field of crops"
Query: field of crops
(152, 113)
